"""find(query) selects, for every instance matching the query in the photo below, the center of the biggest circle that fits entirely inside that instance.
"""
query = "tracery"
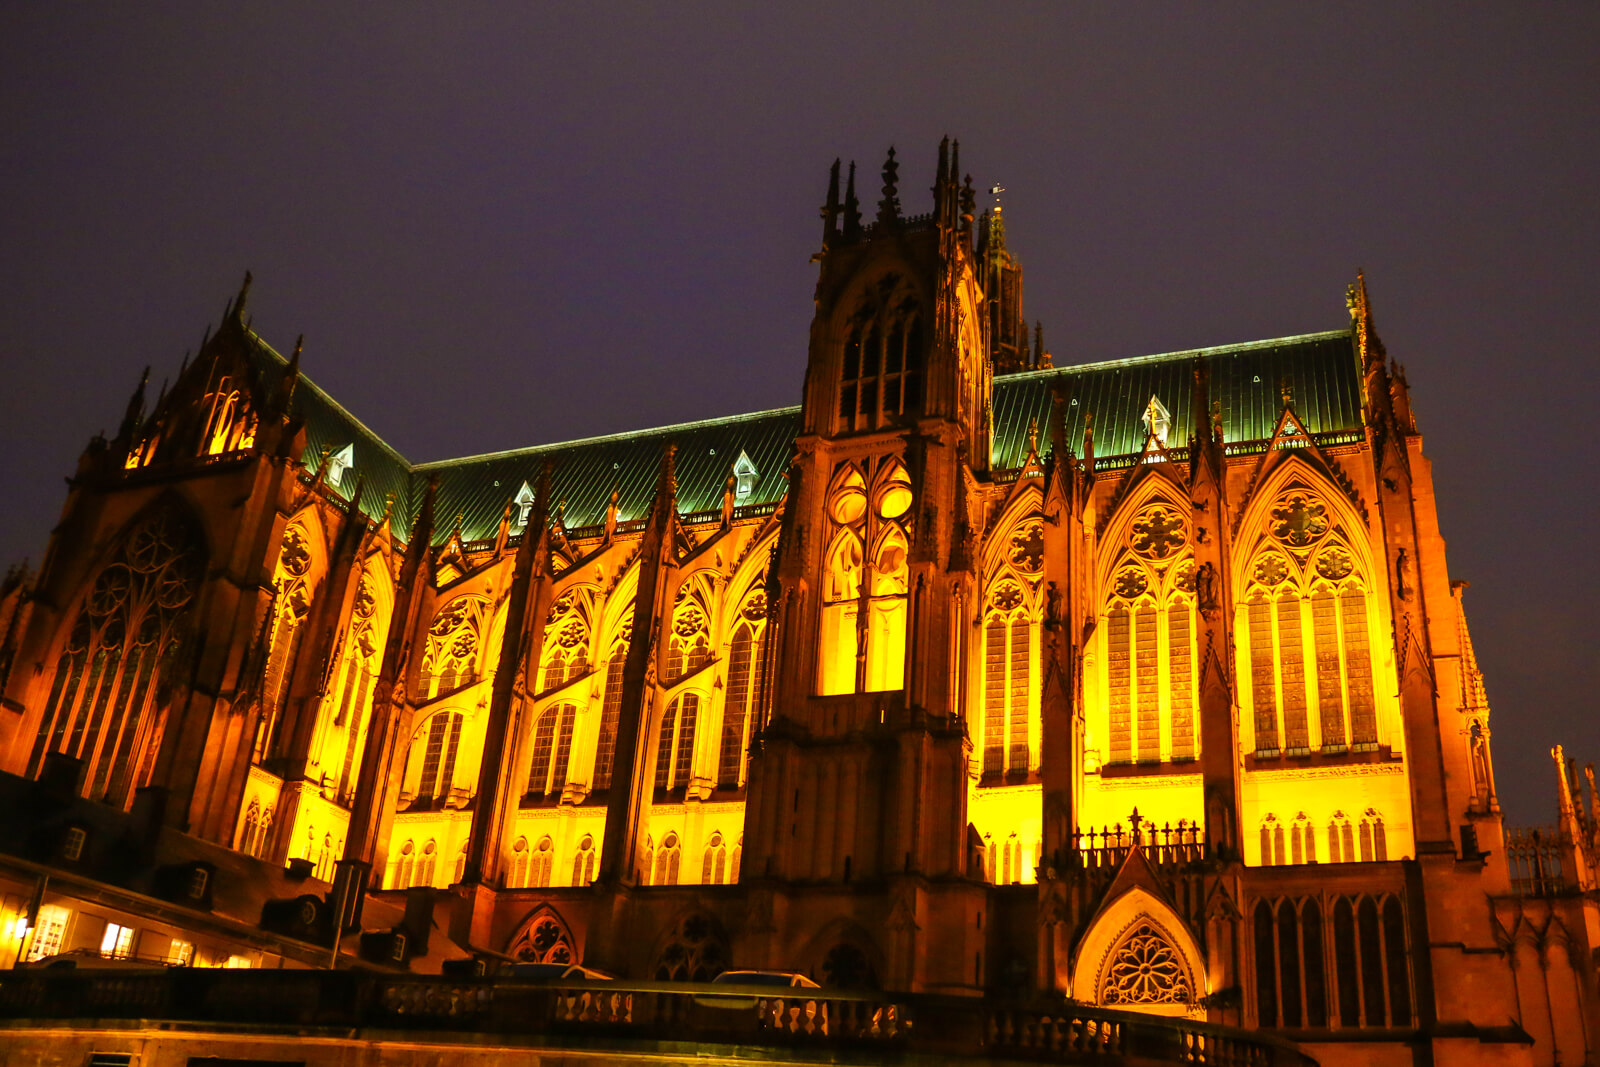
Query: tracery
(120, 653)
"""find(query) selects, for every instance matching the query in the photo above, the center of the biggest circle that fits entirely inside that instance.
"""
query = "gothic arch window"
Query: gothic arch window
(552, 751)
(292, 590)
(694, 952)
(583, 863)
(544, 939)
(121, 651)
(1290, 970)
(1341, 839)
(517, 876)
(648, 856)
(1307, 631)
(1150, 630)
(689, 643)
(667, 857)
(461, 864)
(566, 656)
(714, 871)
(1272, 842)
(880, 375)
(405, 866)
(675, 748)
(426, 865)
(1302, 840)
(1371, 966)
(363, 655)
(454, 647)
(733, 863)
(1007, 680)
(605, 750)
(433, 753)
(543, 862)
(745, 706)
(247, 830)
(866, 590)
(1374, 846)
(1145, 968)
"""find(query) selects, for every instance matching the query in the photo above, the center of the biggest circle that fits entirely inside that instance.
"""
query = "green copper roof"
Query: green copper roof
(586, 472)
(329, 427)
(1319, 368)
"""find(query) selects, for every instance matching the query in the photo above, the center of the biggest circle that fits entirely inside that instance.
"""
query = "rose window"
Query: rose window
(1131, 582)
(1334, 563)
(1027, 549)
(1146, 969)
(1158, 533)
(1299, 520)
(1271, 570)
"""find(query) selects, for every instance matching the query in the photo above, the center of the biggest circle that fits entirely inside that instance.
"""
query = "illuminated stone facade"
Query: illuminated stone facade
(1143, 683)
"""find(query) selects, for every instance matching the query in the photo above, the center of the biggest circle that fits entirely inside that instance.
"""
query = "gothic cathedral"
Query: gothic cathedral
(1141, 685)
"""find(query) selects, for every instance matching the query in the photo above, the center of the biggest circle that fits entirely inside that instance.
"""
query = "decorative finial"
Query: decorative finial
(1033, 435)
(889, 206)
(969, 203)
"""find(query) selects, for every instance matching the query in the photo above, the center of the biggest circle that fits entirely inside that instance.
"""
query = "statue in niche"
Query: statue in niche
(1052, 610)
(1205, 585)
(1402, 574)
(1481, 788)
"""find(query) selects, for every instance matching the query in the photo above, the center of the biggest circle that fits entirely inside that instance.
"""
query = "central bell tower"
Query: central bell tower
(861, 774)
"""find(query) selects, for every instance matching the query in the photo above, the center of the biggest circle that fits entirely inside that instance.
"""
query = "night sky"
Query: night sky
(513, 227)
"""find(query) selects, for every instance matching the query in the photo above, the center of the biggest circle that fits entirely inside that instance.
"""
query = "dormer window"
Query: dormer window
(338, 463)
(199, 878)
(524, 502)
(744, 477)
(72, 844)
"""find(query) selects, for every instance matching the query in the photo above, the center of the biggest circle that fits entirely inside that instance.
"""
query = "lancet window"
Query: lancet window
(675, 749)
(433, 754)
(566, 656)
(552, 751)
(454, 649)
(880, 377)
(517, 875)
(584, 862)
(291, 585)
(427, 864)
(362, 661)
(544, 858)
(1150, 630)
(119, 656)
(1308, 635)
(605, 750)
(404, 867)
(667, 859)
(1007, 680)
(745, 706)
(714, 871)
(1272, 842)
(1366, 980)
(863, 633)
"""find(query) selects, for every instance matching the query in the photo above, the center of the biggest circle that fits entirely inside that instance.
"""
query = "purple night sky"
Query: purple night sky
(504, 229)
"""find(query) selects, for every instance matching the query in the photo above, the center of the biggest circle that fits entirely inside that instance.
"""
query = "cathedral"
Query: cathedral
(1071, 700)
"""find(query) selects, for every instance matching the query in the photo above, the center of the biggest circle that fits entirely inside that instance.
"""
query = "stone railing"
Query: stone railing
(1535, 859)
(625, 1016)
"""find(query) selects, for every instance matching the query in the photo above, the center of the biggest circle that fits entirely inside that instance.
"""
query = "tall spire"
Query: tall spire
(889, 206)
(240, 301)
(135, 412)
(852, 206)
(830, 210)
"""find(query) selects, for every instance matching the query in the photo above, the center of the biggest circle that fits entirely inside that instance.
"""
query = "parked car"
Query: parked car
(779, 979)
